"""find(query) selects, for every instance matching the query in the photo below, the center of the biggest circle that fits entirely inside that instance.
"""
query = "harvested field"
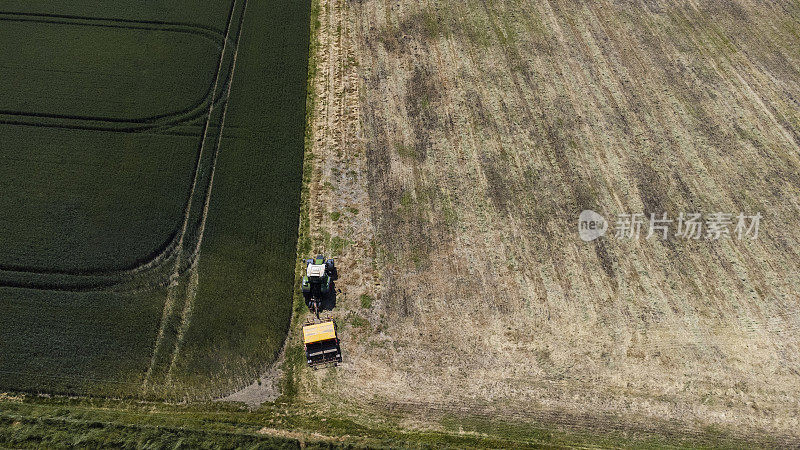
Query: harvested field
(131, 149)
(455, 144)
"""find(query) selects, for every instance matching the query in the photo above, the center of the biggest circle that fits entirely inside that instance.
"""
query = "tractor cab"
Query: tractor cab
(318, 283)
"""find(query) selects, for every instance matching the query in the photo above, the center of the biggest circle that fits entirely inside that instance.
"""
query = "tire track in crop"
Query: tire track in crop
(171, 306)
(208, 31)
(194, 278)
(130, 124)
(95, 279)
(99, 278)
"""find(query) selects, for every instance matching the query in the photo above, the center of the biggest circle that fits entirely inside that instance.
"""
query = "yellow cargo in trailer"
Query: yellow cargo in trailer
(321, 343)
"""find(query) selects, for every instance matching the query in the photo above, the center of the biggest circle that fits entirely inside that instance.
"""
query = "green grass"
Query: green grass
(63, 422)
(366, 301)
(338, 244)
(407, 151)
(67, 342)
(357, 321)
(74, 200)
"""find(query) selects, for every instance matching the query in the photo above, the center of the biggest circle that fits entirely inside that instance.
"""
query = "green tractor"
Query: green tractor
(318, 287)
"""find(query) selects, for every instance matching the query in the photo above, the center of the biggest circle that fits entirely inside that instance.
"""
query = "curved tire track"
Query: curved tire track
(98, 279)
(165, 349)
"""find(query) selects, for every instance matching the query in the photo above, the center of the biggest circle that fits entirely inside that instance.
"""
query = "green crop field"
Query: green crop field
(151, 179)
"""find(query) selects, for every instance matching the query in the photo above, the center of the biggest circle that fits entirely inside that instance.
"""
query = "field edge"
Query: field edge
(60, 422)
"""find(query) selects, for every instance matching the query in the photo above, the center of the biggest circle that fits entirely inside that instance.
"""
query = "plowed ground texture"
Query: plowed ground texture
(457, 142)
(149, 189)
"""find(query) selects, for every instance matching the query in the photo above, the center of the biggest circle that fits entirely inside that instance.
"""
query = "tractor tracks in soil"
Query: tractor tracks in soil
(339, 209)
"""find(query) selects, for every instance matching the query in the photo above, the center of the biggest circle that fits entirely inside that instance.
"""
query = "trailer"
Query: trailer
(322, 343)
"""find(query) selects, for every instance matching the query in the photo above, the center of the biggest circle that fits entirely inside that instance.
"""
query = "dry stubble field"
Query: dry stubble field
(455, 144)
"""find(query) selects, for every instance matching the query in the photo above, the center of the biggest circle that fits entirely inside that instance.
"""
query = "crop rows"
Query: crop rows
(109, 195)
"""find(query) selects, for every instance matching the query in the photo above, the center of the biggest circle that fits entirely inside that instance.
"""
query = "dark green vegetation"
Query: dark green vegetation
(252, 230)
(76, 342)
(149, 203)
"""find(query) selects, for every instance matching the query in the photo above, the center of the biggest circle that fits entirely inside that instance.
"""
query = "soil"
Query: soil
(457, 142)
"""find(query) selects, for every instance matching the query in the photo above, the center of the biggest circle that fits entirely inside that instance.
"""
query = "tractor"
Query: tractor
(318, 287)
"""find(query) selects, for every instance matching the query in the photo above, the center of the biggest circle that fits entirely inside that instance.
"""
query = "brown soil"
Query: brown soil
(457, 141)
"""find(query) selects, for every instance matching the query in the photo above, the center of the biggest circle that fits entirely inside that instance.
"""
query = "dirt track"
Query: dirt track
(456, 143)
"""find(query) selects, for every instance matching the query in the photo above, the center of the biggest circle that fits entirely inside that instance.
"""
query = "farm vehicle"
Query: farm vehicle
(319, 292)
(321, 343)
(318, 285)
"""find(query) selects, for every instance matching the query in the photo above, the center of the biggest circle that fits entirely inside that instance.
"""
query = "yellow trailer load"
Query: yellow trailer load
(321, 343)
